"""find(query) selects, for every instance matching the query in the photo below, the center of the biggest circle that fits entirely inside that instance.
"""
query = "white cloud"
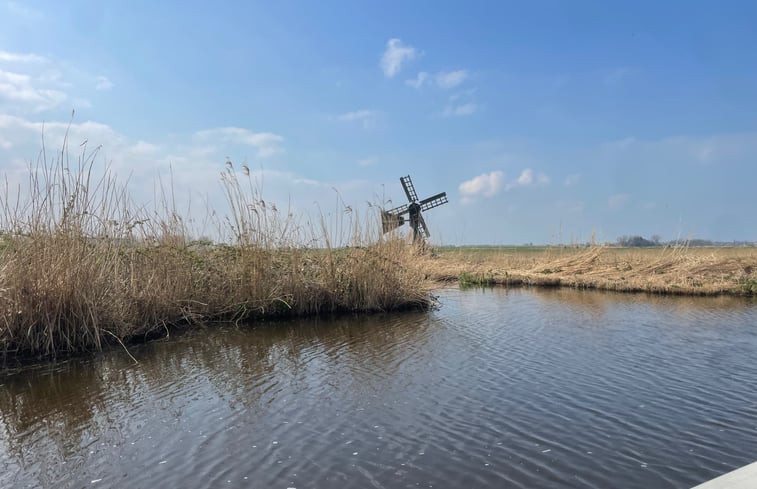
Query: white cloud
(145, 148)
(460, 110)
(444, 79)
(367, 118)
(24, 132)
(395, 55)
(357, 115)
(20, 89)
(102, 83)
(451, 79)
(489, 184)
(194, 163)
(419, 80)
(486, 184)
(526, 177)
(8, 57)
(266, 143)
(618, 201)
(32, 83)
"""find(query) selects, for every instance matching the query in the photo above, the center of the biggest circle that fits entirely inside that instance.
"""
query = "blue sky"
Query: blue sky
(544, 122)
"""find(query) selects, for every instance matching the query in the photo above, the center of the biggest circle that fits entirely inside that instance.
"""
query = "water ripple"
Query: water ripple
(497, 388)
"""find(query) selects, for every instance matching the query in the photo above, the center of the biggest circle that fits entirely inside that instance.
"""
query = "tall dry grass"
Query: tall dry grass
(666, 270)
(81, 266)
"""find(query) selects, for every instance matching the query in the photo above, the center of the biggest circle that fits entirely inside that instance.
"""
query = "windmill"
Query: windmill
(394, 218)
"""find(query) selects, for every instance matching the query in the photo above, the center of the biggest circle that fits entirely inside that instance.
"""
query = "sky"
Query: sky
(545, 122)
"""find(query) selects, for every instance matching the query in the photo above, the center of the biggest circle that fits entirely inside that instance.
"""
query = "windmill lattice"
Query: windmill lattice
(394, 218)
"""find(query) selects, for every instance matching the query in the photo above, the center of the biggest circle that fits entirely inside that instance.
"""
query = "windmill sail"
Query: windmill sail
(423, 225)
(394, 218)
(407, 184)
(433, 201)
(402, 209)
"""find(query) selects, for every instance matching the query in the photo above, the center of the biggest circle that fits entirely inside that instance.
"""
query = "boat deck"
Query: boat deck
(743, 478)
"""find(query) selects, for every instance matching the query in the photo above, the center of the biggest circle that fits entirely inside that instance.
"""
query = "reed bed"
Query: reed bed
(679, 270)
(82, 267)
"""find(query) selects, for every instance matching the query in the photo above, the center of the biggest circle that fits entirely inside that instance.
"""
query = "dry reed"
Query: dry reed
(666, 270)
(81, 266)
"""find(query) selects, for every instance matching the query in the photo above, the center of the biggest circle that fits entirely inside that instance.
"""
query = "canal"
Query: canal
(494, 388)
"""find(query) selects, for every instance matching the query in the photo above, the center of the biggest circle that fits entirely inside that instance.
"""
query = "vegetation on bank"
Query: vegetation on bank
(81, 266)
(665, 270)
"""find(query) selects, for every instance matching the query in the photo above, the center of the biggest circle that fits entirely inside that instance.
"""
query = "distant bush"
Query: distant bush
(635, 241)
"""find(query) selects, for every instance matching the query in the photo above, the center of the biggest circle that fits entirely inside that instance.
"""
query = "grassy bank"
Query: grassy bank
(82, 267)
(666, 270)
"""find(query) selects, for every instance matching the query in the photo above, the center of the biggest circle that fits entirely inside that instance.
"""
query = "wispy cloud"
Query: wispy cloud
(451, 79)
(459, 110)
(395, 55)
(529, 178)
(445, 79)
(266, 143)
(21, 89)
(9, 57)
(367, 118)
(194, 161)
(526, 177)
(420, 80)
(145, 148)
(30, 82)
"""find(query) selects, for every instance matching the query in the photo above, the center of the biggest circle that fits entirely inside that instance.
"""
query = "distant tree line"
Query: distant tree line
(655, 240)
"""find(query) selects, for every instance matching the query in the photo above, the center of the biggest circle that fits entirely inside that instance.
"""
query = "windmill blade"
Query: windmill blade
(399, 210)
(423, 224)
(434, 201)
(407, 184)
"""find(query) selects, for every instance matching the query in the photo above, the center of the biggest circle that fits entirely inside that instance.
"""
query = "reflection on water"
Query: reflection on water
(547, 388)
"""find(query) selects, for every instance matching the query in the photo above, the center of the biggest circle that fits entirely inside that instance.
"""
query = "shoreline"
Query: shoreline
(392, 276)
(679, 271)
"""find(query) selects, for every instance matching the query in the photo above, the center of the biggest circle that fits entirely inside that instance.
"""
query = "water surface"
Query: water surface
(496, 388)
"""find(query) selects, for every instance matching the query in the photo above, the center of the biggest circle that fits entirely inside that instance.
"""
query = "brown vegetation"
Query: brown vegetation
(81, 267)
(667, 270)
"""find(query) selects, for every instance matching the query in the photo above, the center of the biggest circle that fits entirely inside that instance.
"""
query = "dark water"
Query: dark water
(523, 388)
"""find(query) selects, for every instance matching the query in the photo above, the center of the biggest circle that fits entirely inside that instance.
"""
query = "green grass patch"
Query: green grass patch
(476, 280)
(749, 286)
